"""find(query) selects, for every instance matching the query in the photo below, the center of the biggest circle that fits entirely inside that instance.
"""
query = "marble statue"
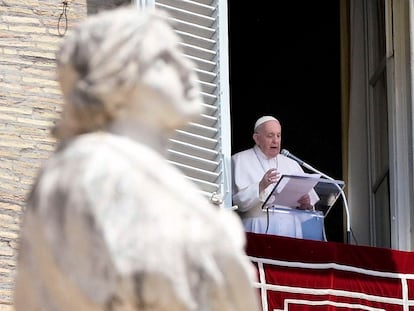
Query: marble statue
(110, 224)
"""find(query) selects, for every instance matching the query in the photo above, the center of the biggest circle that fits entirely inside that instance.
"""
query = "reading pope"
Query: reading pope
(255, 173)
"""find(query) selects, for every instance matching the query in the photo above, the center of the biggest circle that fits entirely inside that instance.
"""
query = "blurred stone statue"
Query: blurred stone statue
(110, 225)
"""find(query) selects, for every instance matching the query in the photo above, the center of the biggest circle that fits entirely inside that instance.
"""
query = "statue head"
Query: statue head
(125, 65)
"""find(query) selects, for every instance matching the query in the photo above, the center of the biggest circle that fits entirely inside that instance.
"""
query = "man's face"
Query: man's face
(268, 137)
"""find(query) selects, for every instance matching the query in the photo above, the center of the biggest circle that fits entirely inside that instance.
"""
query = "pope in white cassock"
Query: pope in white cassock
(255, 172)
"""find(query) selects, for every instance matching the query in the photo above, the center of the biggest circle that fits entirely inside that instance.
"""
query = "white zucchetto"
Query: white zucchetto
(262, 120)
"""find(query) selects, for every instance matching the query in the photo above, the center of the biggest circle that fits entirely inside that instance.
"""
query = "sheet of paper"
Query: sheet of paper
(291, 188)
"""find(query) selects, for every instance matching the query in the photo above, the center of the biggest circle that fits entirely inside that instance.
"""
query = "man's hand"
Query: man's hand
(270, 177)
(305, 203)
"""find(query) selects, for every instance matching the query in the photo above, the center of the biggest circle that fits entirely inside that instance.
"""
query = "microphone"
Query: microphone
(289, 155)
(341, 191)
(303, 163)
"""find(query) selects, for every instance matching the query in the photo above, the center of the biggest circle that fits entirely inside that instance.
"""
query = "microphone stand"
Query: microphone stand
(348, 220)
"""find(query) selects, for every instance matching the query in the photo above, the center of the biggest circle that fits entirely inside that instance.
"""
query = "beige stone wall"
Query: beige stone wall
(30, 102)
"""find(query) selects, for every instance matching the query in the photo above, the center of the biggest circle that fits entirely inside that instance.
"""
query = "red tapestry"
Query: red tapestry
(300, 275)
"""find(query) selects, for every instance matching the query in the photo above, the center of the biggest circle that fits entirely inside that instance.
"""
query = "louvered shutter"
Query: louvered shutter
(202, 150)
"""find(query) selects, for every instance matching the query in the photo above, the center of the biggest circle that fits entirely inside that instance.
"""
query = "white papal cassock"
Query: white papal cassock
(248, 168)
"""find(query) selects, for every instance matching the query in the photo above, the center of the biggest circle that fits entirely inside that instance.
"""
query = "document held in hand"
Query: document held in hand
(290, 188)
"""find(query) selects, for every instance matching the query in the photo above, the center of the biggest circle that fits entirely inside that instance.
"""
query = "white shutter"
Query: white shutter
(198, 150)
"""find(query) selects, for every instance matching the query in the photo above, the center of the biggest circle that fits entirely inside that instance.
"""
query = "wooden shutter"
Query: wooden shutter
(197, 150)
